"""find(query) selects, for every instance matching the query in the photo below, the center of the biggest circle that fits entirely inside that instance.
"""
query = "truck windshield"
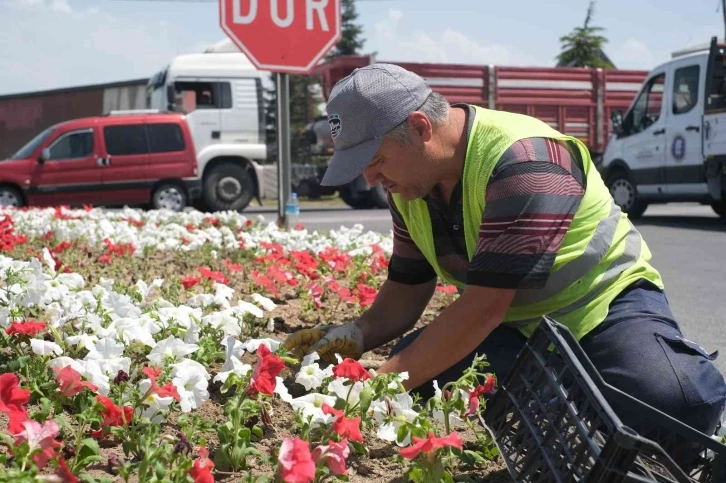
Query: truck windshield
(28, 149)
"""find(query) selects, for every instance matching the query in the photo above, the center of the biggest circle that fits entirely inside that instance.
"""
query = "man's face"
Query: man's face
(408, 170)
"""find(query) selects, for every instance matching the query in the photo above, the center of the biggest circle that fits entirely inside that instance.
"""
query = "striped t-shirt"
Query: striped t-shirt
(531, 198)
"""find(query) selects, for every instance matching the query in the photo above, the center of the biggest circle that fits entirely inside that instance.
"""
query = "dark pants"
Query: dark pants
(638, 349)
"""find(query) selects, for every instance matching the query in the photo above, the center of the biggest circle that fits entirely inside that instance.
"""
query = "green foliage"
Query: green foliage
(351, 40)
(583, 46)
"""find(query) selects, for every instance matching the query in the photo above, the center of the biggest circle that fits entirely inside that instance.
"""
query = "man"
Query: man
(516, 215)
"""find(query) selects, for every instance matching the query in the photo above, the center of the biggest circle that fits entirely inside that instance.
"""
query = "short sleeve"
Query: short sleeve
(531, 198)
(407, 264)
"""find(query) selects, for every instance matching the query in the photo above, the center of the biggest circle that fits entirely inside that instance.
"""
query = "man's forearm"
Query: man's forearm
(396, 309)
(456, 332)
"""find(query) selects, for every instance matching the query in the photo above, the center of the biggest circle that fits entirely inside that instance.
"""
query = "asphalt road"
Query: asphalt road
(688, 243)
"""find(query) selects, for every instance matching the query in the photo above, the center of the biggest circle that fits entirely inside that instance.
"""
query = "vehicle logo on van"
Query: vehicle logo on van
(335, 127)
(678, 148)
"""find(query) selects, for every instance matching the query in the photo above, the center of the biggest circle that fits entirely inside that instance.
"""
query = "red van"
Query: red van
(118, 159)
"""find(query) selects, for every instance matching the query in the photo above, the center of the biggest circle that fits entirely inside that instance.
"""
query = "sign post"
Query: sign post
(286, 37)
(283, 148)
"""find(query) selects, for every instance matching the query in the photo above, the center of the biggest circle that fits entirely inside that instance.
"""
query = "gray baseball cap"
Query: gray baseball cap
(362, 108)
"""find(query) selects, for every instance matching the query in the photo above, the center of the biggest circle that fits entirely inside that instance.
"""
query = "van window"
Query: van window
(685, 89)
(647, 108)
(73, 145)
(165, 138)
(191, 96)
(126, 140)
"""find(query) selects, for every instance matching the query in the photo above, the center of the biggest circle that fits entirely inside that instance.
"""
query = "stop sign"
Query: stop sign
(282, 35)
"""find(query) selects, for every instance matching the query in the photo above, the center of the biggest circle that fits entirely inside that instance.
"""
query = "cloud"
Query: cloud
(635, 54)
(49, 44)
(395, 43)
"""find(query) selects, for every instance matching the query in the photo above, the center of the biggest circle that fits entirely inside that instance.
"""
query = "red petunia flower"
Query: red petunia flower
(112, 415)
(334, 454)
(70, 381)
(268, 367)
(430, 444)
(202, 468)
(351, 369)
(295, 461)
(216, 276)
(166, 390)
(190, 282)
(12, 400)
(29, 328)
(345, 427)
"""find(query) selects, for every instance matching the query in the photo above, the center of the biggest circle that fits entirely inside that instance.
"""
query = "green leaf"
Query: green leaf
(88, 453)
(359, 448)
(257, 431)
(366, 397)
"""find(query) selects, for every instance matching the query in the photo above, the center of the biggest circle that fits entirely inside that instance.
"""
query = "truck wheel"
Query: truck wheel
(228, 187)
(355, 202)
(720, 208)
(377, 197)
(169, 196)
(623, 190)
(10, 196)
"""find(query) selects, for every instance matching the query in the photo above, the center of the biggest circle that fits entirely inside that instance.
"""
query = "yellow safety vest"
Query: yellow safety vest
(601, 254)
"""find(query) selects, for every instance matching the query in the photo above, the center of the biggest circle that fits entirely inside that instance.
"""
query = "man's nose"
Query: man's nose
(370, 175)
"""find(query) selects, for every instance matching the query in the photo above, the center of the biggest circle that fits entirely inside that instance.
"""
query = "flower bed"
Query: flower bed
(146, 346)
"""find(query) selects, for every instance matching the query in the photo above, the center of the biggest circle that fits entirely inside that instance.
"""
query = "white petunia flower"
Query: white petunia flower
(45, 348)
(281, 390)
(243, 308)
(153, 404)
(86, 340)
(264, 302)
(310, 376)
(172, 348)
(345, 391)
(191, 383)
(232, 366)
(108, 354)
(310, 406)
(252, 344)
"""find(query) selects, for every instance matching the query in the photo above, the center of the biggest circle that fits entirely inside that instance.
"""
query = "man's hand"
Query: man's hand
(327, 340)
(456, 332)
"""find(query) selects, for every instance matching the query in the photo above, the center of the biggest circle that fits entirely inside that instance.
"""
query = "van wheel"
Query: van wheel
(169, 197)
(625, 194)
(10, 196)
(720, 208)
(228, 187)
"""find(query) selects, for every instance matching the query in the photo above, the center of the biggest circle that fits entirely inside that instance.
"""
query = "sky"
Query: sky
(49, 44)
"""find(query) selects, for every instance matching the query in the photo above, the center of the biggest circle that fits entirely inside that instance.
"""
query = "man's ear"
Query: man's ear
(421, 126)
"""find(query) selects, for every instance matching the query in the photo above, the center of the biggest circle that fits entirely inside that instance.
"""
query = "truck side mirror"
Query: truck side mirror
(617, 120)
(44, 156)
(170, 98)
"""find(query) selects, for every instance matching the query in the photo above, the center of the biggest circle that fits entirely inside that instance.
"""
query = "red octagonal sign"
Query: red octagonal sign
(282, 35)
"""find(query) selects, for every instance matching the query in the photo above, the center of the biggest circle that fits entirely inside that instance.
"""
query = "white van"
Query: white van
(670, 145)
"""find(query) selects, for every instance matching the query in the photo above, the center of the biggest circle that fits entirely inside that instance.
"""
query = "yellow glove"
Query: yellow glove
(327, 340)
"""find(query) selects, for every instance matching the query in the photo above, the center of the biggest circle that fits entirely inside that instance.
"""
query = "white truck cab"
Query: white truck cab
(222, 94)
(670, 145)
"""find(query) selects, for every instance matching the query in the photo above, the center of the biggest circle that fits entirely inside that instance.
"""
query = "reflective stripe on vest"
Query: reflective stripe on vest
(631, 254)
(578, 268)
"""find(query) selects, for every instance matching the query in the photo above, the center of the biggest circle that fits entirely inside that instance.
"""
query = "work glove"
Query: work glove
(327, 340)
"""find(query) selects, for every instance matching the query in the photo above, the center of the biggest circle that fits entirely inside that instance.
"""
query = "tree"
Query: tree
(583, 46)
(304, 101)
(351, 40)
(305, 90)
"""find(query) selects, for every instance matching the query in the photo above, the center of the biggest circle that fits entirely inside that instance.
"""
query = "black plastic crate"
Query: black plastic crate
(553, 422)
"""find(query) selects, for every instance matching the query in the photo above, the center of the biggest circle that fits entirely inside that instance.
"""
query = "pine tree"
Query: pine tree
(583, 46)
(351, 40)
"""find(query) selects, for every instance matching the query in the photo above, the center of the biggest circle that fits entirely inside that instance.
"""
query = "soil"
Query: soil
(288, 317)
